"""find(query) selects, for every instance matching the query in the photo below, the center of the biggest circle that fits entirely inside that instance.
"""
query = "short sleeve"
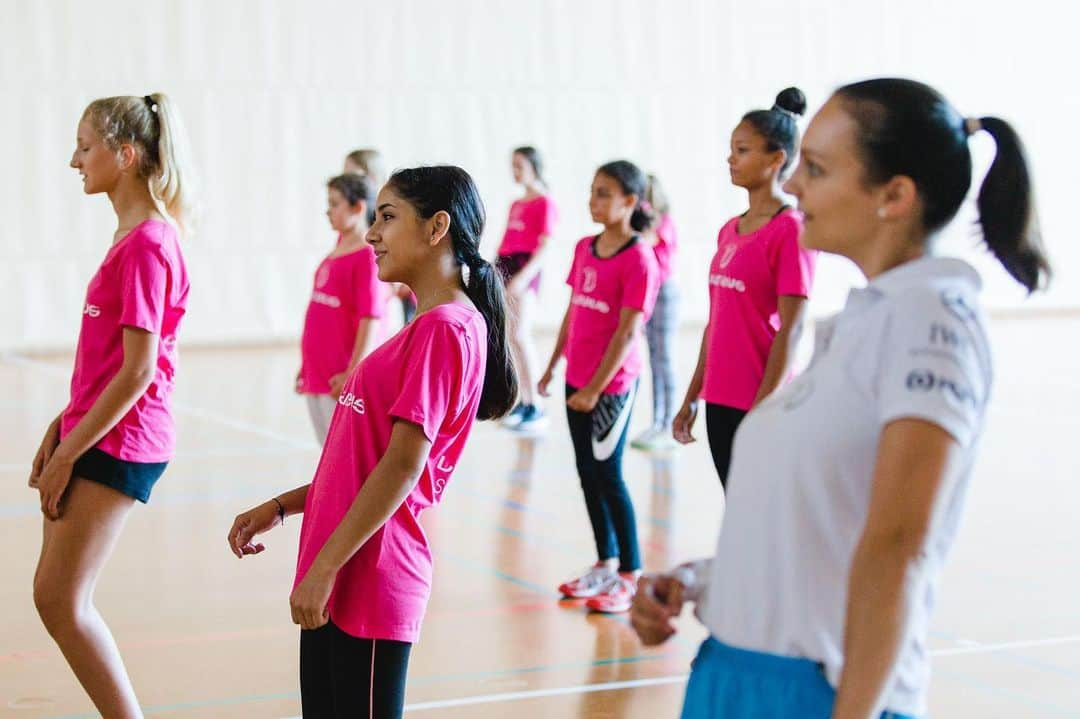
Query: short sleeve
(793, 265)
(572, 273)
(368, 293)
(433, 375)
(548, 217)
(144, 278)
(641, 281)
(935, 365)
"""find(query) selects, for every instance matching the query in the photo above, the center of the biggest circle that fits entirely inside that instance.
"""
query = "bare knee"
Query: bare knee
(57, 605)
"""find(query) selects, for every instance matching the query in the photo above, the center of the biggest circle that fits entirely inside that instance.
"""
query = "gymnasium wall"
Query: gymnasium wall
(275, 92)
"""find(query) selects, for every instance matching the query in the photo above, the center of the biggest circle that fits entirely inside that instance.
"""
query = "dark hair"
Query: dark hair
(450, 189)
(633, 182)
(779, 124)
(356, 188)
(532, 156)
(353, 187)
(908, 128)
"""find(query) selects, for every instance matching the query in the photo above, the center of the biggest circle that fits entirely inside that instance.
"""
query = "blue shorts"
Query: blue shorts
(135, 479)
(741, 684)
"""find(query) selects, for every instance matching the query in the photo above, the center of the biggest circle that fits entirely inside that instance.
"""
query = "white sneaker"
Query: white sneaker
(595, 580)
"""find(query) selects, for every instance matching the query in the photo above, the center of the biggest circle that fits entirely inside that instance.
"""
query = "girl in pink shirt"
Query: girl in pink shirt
(111, 443)
(342, 322)
(759, 281)
(531, 223)
(363, 575)
(660, 329)
(613, 283)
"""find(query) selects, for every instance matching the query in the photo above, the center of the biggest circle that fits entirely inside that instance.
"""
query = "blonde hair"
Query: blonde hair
(153, 125)
(655, 195)
(370, 162)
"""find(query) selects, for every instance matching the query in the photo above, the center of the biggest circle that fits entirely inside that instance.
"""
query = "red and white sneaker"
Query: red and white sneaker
(616, 597)
(595, 579)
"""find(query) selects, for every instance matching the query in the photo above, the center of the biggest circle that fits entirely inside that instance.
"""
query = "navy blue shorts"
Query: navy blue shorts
(135, 479)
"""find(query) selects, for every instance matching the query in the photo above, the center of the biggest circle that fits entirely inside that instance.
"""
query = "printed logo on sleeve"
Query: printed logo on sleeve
(954, 302)
(925, 381)
(351, 401)
(440, 482)
(91, 310)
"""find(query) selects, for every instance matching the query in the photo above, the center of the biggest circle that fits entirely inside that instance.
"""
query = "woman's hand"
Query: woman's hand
(584, 400)
(683, 425)
(657, 604)
(52, 483)
(542, 385)
(308, 601)
(337, 383)
(249, 524)
(45, 451)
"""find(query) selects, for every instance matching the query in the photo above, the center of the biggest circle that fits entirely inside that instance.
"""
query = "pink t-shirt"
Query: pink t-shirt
(748, 275)
(142, 283)
(347, 289)
(600, 288)
(530, 219)
(666, 244)
(430, 373)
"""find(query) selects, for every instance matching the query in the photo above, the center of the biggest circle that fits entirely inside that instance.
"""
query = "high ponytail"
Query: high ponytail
(450, 189)
(1006, 209)
(153, 125)
(906, 128)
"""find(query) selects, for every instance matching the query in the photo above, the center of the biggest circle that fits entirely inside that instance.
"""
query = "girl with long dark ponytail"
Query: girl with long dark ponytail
(364, 570)
(848, 485)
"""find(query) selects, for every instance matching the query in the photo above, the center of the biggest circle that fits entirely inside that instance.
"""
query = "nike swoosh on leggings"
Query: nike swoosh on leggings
(610, 416)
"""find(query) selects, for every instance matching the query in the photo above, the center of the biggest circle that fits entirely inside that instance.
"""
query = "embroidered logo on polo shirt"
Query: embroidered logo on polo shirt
(925, 381)
(92, 310)
(955, 303)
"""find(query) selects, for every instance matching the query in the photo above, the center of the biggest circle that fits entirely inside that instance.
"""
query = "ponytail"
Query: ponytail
(450, 189)
(153, 125)
(485, 289)
(1006, 209)
(633, 182)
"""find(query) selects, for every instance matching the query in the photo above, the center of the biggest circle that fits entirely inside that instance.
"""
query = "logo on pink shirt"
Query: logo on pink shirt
(322, 298)
(729, 254)
(588, 281)
(351, 401)
(727, 282)
(322, 276)
(92, 310)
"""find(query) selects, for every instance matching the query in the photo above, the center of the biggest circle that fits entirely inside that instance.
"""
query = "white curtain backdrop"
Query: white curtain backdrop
(275, 93)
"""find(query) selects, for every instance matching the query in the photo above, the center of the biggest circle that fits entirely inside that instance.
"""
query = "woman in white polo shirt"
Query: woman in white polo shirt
(821, 590)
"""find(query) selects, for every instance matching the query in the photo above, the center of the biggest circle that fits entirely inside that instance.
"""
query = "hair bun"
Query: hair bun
(791, 100)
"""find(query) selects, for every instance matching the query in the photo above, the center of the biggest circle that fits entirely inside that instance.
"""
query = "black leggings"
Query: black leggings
(599, 438)
(344, 677)
(721, 422)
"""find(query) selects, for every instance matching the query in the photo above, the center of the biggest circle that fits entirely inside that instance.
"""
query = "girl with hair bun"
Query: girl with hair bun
(759, 282)
(109, 446)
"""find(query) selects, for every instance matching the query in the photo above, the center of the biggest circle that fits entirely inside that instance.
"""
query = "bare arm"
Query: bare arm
(683, 424)
(121, 393)
(556, 354)
(381, 495)
(791, 308)
(912, 476)
(365, 340)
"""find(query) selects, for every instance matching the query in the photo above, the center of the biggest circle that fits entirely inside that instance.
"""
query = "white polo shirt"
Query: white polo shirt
(910, 345)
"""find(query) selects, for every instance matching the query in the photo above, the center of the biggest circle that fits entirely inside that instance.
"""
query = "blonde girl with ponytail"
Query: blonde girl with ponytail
(112, 442)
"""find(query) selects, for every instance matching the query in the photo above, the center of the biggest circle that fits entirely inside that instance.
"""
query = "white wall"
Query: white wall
(275, 92)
